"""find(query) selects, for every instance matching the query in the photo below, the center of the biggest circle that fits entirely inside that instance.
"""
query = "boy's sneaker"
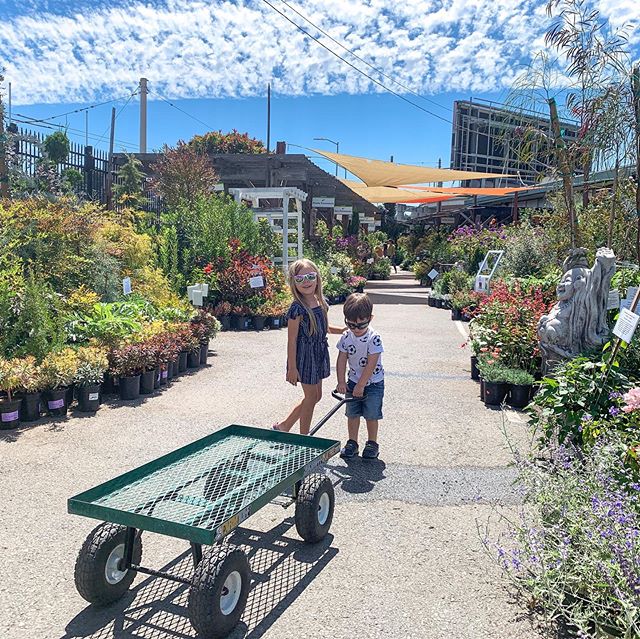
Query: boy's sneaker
(371, 450)
(350, 449)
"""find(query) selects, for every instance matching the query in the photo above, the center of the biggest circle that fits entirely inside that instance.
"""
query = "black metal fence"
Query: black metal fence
(92, 164)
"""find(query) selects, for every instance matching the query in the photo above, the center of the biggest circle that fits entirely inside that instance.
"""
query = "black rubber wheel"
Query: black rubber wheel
(218, 594)
(314, 507)
(97, 577)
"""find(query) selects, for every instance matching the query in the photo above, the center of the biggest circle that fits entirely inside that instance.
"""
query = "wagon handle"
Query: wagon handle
(341, 400)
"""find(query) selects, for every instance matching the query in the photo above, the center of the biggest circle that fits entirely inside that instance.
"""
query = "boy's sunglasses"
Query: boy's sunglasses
(310, 277)
(357, 325)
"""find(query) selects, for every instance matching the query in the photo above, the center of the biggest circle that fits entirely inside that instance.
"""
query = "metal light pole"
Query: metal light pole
(337, 148)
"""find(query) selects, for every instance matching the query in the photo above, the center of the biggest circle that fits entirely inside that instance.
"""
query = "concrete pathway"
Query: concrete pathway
(404, 558)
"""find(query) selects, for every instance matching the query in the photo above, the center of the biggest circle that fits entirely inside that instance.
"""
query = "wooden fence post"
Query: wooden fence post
(89, 165)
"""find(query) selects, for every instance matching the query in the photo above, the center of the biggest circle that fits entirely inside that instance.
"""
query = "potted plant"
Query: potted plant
(205, 327)
(222, 311)
(256, 306)
(10, 406)
(494, 376)
(521, 385)
(357, 283)
(461, 303)
(31, 385)
(92, 365)
(241, 319)
(127, 363)
(58, 370)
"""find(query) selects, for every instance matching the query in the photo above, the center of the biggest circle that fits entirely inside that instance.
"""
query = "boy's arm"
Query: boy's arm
(372, 362)
(341, 369)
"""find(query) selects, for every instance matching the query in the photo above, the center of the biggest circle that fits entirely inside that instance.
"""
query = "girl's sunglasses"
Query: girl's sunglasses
(357, 325)
(310, 277)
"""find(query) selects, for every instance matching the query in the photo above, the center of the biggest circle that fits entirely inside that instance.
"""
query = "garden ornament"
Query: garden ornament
(578, 321)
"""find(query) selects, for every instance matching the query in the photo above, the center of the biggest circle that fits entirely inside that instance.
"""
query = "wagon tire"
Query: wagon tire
(219, 591)
(97, 577)
(314, 507)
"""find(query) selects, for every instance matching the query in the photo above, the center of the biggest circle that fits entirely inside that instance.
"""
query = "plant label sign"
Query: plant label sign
(433, 274)
(626, 325)
(126, 285)
(197, 297)
(613, 301)
(481, 284)
(631, 292)
(370, 260)
(334, 270)
(256, 282)
(625, 304)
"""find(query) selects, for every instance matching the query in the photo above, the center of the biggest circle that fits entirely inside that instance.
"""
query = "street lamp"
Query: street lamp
(337, 148)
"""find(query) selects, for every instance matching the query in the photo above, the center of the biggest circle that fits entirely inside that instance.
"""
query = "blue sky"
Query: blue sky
(213, 60)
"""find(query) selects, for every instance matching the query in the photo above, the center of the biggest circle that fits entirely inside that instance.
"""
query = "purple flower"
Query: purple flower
(587, 417)
(615, 395)
(613, 411)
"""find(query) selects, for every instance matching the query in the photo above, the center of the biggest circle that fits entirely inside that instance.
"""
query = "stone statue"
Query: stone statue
(578, 321)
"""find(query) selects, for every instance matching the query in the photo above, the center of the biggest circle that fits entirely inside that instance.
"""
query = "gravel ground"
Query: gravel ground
(403, 560)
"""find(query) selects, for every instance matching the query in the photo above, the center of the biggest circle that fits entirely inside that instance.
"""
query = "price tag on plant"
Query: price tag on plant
(433, 274)
(126, 285)
(256, 281)
(370, 260)
(613, 301)
(626, 325)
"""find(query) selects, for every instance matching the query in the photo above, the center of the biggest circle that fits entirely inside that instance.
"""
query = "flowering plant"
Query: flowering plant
(357, 283)
(470, 244)
(129, 360)
(92, 365)
(58, 368)
(221, 309)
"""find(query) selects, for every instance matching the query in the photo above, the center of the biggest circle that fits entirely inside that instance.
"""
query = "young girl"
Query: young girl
(307, 347)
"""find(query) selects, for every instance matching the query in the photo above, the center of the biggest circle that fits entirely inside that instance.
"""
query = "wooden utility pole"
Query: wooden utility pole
(4, 174)
(565, 170)
(635, 83)
(143, 115)
(268, 176)
(110, 161)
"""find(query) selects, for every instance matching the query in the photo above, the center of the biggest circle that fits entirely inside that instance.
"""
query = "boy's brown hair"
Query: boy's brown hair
(357, 306)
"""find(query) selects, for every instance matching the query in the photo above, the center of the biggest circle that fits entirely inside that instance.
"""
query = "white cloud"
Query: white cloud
(233, 48)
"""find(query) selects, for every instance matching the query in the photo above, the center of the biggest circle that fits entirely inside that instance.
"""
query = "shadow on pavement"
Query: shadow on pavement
(358, 476)
(156, 608)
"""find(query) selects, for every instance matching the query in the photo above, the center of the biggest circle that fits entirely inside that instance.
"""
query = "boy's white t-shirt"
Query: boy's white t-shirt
(358, 349)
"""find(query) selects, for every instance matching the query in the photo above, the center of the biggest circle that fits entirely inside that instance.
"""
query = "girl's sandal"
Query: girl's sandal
(276, 426)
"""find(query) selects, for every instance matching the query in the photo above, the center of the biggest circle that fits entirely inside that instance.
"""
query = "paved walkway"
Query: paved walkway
(403, 560)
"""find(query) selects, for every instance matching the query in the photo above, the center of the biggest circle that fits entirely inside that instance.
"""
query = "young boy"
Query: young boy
(361, 348)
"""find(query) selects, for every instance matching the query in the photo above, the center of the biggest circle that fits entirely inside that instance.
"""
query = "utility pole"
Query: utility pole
(9, 123)
(110, 161)
(86, 128)
(4, 175)
(267, 181)
(635, 80)
(143, 115)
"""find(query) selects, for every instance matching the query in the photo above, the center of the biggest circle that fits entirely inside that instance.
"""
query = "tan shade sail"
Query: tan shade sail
(379, 173)
(392, 195)
(468, 191)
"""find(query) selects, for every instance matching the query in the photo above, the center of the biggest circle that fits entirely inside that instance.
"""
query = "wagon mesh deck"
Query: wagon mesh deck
(205, 487)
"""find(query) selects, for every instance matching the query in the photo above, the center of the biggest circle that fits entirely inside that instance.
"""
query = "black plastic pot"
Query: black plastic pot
(481, 390)
(170, 374)
(108, 386)
(175, 367)
(455, 314)
(70, 394)
(259, 322)
(276, 322)
(31, 406)
(147, 382)
(241, 322)
(182, 361)
(204, 352)
(130, 387)
(10, 413)
(193, 359)
(88, 398)
(520, 395)
(475, 371)
(56, 402)
(225, 322)
(164, 375)
(157, 378)
(494, 393)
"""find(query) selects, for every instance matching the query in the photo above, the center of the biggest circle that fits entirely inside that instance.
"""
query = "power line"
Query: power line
(324, 46)
(193, 117)
(87, 108)
(371, 66)
(135, 91)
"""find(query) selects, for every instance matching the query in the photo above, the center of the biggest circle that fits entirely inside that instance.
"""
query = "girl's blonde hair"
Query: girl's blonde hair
(294, 269)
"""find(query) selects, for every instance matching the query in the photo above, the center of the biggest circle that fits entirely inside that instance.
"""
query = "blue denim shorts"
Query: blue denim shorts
(369, 406)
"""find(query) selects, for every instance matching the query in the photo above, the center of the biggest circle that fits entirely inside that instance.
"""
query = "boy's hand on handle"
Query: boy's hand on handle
(358, 391)
(341, 388)
(293, 376)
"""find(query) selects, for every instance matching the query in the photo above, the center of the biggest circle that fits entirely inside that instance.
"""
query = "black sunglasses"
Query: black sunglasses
(357, 325)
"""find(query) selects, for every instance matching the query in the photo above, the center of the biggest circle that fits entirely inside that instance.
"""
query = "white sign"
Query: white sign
(370, 260)
(626, 325)
(126, 285)
(433, 274)
(218, 187)
(625, 304)
(256, 282)
(482, 283)
(613, 301)
(334, 270)
(197, 297)
(323, 202)
(343, 210)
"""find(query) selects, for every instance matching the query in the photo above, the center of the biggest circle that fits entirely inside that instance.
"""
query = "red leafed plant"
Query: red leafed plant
(512, 318)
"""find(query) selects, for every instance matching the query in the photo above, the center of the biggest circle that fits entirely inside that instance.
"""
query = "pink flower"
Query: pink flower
(632, 399)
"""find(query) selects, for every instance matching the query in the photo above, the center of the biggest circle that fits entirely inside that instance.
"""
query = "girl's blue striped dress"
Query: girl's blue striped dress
(312, 351)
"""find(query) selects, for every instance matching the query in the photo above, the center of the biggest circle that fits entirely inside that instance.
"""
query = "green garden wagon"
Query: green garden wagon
(201, 493)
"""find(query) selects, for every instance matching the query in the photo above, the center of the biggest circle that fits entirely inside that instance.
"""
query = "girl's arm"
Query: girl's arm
(341, 369)
(372, 361)
(292, 341)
